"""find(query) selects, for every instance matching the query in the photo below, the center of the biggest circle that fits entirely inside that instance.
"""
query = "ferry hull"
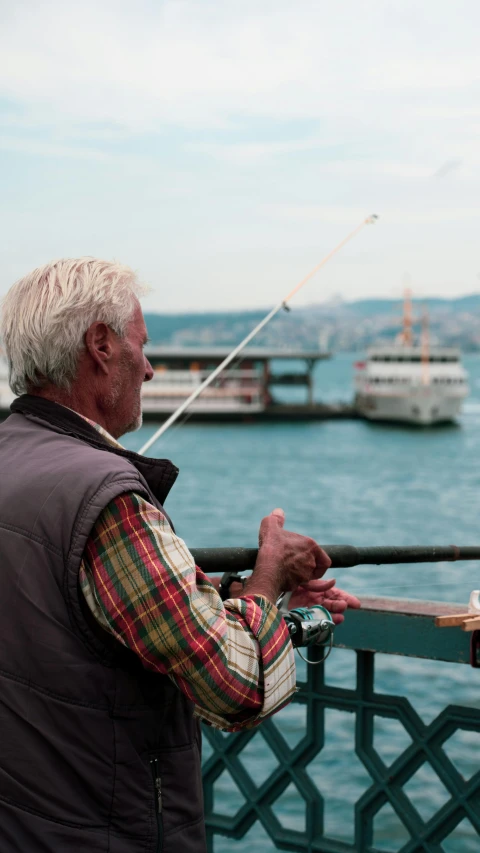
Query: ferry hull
(424, 408)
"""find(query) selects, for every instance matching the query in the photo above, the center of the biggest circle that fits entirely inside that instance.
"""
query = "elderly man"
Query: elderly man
(113, 642)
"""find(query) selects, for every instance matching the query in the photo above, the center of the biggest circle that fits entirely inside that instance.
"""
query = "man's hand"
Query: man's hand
(285, 560)
(325, 593)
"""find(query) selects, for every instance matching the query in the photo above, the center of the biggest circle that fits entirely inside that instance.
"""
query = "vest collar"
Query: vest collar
(160, 474)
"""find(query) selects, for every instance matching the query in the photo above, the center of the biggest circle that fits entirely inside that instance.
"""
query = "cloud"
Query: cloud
(49, 149)
(249, 152)
(201, 64)
(214, 134)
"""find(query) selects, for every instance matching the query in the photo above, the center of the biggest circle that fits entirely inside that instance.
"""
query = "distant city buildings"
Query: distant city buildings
(334, 326)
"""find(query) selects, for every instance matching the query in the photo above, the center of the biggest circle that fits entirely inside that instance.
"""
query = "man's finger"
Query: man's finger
(270, 523)
(323, 561)
(279, 516)
(334, 605)
(318, 585)
(351, 600)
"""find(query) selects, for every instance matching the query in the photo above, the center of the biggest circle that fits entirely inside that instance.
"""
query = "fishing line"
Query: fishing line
(281, 306)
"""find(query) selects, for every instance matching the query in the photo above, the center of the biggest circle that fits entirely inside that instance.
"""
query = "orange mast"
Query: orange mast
(407, 334)
(425, 341)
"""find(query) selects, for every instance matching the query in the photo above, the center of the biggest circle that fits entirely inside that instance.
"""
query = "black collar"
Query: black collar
(160, 474)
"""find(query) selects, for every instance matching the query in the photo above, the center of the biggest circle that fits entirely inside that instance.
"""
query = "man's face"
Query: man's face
(131, 371)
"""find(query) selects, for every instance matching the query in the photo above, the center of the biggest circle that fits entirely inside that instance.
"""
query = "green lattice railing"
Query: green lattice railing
(409, 785)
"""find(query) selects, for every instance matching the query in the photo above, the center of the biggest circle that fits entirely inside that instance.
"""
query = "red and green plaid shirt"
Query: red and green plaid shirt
(234, 659)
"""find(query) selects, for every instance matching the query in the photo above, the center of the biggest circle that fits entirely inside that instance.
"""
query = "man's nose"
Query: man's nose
(148, 371)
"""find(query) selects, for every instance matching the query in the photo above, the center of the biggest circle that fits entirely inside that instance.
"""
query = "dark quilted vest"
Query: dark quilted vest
(84, 729)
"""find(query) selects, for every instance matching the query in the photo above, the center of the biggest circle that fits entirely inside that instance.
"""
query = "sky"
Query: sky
(221, 149)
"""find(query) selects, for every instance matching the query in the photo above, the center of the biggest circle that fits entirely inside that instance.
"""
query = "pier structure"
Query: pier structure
(245, 391)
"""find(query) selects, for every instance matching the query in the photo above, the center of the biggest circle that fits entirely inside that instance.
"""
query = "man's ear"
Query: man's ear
(100, 344)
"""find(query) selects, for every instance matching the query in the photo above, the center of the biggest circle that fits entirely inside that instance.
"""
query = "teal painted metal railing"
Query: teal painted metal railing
(384, 626)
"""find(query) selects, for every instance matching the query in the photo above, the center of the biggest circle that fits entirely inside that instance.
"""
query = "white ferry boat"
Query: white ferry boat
(418, 384)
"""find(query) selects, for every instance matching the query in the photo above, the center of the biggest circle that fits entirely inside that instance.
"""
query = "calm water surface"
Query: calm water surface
(347, 482)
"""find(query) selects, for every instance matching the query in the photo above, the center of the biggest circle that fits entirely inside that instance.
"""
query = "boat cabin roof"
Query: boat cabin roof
(413, 354)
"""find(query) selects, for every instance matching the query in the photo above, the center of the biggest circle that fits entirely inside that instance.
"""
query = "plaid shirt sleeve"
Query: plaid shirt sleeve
(234, 659)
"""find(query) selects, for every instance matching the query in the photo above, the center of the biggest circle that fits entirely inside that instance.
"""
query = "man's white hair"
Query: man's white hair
(45, 316)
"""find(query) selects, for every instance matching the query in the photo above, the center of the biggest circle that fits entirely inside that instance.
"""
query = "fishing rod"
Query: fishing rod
(283, 305)
(342, 556)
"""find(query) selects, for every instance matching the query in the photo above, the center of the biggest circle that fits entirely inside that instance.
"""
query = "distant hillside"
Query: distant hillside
(332, 325)
(394, 307)
(165, 327)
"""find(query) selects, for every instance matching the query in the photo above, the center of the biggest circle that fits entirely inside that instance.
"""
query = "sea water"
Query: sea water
(364, 484)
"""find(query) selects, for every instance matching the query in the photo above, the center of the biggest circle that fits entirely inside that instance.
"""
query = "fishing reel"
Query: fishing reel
(307, 626)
